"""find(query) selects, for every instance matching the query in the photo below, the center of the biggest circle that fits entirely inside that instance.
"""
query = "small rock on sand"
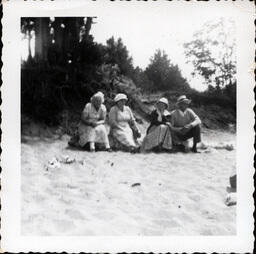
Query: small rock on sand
(135, 184)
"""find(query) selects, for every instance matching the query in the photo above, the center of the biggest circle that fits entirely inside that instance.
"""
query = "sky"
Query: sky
(145, 27)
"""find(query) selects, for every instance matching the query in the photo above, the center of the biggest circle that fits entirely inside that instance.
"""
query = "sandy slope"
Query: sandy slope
(181, 194)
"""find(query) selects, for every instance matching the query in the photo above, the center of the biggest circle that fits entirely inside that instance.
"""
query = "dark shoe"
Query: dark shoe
(194, 150)
(134, 150)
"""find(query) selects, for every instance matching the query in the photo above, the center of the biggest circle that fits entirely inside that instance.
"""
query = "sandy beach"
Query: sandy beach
(127, 194)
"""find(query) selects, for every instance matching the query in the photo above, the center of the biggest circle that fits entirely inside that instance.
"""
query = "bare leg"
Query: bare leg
(92, 146)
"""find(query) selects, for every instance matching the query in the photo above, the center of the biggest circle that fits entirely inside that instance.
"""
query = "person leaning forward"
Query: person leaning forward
(186, 124)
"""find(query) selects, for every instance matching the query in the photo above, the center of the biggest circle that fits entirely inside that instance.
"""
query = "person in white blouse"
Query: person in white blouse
(91, 128)
(123, 129)
(186, 124)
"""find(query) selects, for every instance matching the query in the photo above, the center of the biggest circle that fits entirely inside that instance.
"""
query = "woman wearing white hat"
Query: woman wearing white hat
(91, 128)
(158, 136)
(123, 129)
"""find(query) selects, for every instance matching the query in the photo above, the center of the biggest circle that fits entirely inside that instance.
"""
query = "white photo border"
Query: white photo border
(12, 241)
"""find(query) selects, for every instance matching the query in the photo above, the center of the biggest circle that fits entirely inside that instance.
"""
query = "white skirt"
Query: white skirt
(96, 134)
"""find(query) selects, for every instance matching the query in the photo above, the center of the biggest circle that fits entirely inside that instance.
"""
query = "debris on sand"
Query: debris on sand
(135, 184)
(231, 199)
(232, 181)
(53, 164)
(203, 146)
(67, 160)
(208, 148)
(81, 162)
(228, 147)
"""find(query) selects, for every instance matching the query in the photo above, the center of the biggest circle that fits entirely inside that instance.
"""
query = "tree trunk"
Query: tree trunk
(42, 38)
(29, 46)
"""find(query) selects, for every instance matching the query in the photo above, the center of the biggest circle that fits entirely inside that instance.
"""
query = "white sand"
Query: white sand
(179, 194)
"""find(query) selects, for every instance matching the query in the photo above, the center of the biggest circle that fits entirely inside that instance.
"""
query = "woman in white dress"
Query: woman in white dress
(91, 128)
(123, 129)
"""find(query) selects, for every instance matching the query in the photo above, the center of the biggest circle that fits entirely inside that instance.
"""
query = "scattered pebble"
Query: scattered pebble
(81, 162)
(135, 184)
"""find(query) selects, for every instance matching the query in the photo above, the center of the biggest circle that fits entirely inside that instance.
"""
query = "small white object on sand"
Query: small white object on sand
(66, 159)
(231, 199)
(53, 164)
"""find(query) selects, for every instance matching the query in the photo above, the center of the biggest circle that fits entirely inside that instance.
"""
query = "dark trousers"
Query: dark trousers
(194, 133)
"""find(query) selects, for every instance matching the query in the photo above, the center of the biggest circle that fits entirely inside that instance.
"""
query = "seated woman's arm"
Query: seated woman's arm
(112, 118)
(85, 116)
(133, 122)
(102, 117)
(153, 118)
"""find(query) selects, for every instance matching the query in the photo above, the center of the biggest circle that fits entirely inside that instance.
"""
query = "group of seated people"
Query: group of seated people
(167, 130)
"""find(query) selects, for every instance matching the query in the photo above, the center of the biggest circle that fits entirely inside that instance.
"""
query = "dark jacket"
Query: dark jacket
(153, 119)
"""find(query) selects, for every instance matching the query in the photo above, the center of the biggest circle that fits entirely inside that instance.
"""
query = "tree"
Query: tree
(27, 29)
(141, 79)
(212, 53)
(117, 53)
(163, 74)
(42, 38)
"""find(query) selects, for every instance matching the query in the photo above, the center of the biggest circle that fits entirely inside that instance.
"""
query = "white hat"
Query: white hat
(184, 99)
(164, 100)
(120, 96)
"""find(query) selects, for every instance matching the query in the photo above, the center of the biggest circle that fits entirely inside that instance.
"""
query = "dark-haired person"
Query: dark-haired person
(186, 124)
(158, 137)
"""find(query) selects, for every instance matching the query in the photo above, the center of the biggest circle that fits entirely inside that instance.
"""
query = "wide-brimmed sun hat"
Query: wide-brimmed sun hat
(164, 100)
(183, 99)
(120, 96)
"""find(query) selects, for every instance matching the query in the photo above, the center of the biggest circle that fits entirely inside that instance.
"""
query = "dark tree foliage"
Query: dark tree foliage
(68, 66)
(64, 66)
(163, 74)
(141, 79)
(117, 53)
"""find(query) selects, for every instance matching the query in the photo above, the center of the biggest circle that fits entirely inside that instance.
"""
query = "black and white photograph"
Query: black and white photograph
(128, 121)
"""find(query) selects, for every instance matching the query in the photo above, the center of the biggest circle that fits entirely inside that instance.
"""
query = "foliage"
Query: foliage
(163, 74)
(69, 66)
(117, 53)
(212, 53)
(141, 79)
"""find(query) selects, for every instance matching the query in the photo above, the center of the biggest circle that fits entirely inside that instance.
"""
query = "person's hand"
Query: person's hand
(188, 126)
(169, 125)
(178, 129)
(94, 124)
(138, 134)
